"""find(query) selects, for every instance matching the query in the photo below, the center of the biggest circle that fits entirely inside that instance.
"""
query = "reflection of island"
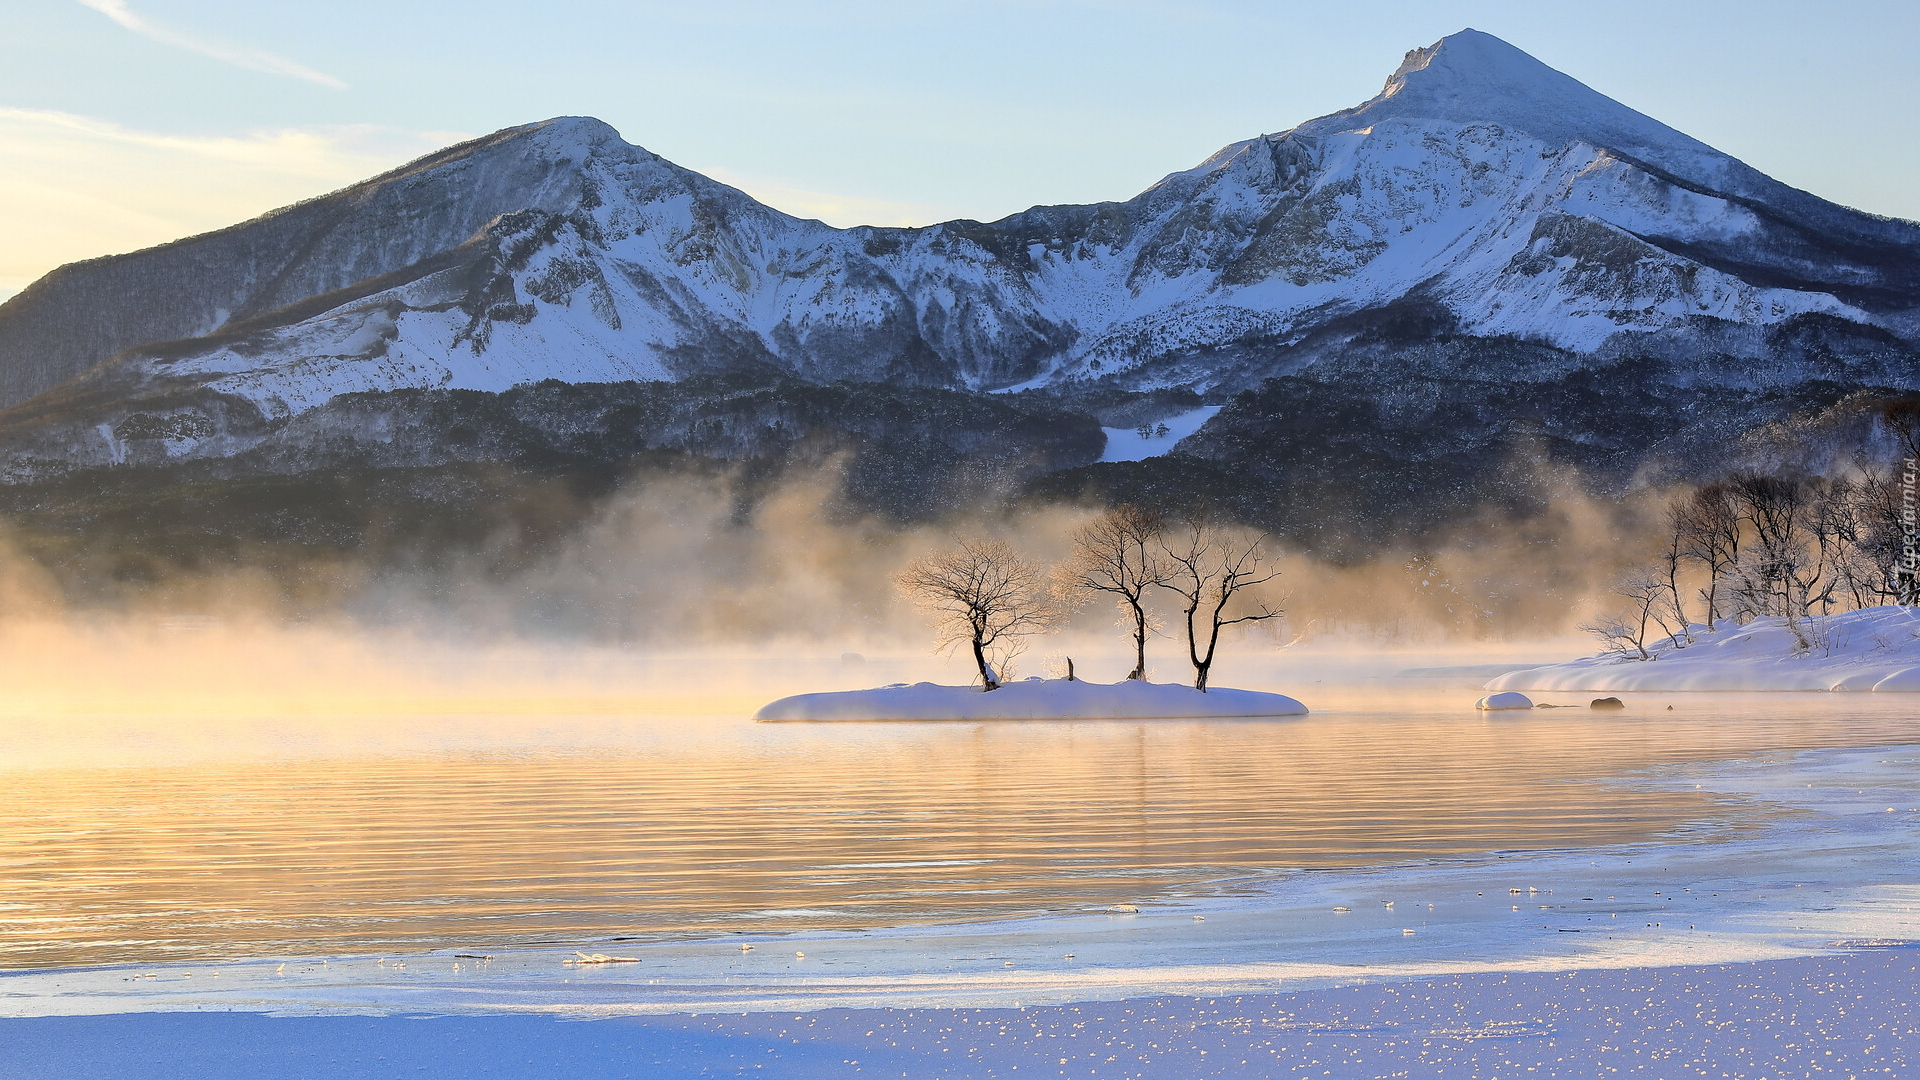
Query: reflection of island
(1032, 699)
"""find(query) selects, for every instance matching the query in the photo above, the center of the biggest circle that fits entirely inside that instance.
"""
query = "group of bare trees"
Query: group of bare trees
(985, 595)
(1791, 547)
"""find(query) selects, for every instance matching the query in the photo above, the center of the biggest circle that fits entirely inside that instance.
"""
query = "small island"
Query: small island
(1032, 699)
(986, 597)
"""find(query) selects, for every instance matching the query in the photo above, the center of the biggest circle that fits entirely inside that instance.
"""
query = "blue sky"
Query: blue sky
(129, 122)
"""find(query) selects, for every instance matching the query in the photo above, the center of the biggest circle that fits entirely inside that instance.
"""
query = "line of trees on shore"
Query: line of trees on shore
(1786, 546)
(985, 595)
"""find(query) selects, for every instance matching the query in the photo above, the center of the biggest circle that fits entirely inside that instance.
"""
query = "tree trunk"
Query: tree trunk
(1139, 643)
(1203, 665)
(1193, 653)
(987, 681)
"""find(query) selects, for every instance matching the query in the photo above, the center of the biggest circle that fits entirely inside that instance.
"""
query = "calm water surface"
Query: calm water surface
(132, 838)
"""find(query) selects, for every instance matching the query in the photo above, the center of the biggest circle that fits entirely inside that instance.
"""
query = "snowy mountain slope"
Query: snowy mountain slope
(652, 272)
(82, 313)
(1493, 197)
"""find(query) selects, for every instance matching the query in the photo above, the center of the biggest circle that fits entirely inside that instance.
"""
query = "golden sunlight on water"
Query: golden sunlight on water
(313, 835)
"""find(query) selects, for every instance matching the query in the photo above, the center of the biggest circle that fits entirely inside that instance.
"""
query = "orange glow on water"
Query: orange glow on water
(173, 837)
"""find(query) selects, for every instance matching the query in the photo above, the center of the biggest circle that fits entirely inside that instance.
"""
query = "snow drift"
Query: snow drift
(1874, 648)
(1502, 701)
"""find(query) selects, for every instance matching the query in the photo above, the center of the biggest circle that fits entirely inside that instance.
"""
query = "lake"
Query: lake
(127, 836)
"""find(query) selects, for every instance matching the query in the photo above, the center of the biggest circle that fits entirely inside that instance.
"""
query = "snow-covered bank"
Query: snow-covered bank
(1032, 699)
(1871, 649)
(1835, 1015)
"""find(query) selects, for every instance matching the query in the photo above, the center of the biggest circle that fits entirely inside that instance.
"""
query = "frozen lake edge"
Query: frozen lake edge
(1838, 1014)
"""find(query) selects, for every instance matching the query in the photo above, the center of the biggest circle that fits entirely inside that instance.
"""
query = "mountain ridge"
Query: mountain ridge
(1483, 226)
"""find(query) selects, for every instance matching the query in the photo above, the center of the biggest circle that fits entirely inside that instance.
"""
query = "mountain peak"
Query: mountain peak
(564, 136)
(1475, 64)
(585, 129)
(1473, 77)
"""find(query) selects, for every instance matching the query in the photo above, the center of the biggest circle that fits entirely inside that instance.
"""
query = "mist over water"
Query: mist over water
(682, 560)
(689, 561)
(555, 749)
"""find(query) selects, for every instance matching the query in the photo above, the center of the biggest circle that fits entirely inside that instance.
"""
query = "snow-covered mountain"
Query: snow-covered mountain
(1481, 196)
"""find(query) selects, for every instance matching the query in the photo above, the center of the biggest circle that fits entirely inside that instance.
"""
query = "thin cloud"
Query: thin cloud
(241, 56)
(75, 187)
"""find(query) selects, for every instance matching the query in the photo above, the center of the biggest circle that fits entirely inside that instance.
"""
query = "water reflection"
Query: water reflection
(484, 831)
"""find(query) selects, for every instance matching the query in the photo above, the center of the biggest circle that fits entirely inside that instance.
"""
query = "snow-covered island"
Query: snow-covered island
(1876, 648)
(983, 597)
(1032, 699)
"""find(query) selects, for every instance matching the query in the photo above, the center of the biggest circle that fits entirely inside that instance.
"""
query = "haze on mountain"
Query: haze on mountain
(1393, 304)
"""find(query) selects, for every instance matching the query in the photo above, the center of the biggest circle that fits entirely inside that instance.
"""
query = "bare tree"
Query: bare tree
(1708, 525)
(1788, 558)
(1901, 537)
(1885, 513)
(1671, 561)
(1619, 634)
(1901, 418)
(1772, 507)
(982, 593)
(1835, 577)
(1627, 632)
(1119, 555)
(1208, 567)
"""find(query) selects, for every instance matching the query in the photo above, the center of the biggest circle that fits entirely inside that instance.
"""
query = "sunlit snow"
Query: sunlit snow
(1872, 649)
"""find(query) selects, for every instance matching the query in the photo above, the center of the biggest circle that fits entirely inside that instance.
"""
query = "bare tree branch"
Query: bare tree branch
(982, 593)
(1118, 555)
(1209, 567)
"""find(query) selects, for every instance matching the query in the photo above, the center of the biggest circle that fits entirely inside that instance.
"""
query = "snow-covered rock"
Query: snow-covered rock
(1032, 699)
(1873, 649)
(1502, 701)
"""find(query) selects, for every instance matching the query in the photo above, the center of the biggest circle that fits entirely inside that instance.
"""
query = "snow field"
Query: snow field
(1842, 1015)
(1872, 649)
(1126, 444)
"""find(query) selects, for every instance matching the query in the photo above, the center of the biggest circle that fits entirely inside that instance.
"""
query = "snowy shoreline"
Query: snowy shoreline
(1872, 649)
(1032, 699)
(1841, 1014)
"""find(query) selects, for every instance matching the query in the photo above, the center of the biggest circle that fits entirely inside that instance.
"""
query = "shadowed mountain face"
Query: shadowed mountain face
(1485, 230)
